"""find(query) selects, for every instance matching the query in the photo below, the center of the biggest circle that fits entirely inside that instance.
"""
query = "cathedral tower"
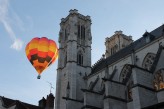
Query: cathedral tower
(117, 42)
(74, 60)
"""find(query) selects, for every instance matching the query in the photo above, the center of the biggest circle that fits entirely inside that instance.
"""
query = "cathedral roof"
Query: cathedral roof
(102, 63)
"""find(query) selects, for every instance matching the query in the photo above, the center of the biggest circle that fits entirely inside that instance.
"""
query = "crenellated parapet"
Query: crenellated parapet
(73, 12)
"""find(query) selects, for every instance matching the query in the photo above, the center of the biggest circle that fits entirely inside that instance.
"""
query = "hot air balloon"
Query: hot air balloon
(41, 52)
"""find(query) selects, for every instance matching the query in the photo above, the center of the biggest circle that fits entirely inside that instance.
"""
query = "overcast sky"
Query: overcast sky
(22, 20)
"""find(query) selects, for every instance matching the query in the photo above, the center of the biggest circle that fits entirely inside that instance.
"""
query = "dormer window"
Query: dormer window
(148, 37)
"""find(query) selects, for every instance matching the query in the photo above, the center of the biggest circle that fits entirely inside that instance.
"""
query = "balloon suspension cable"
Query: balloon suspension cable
(39, 76)
(50, 86)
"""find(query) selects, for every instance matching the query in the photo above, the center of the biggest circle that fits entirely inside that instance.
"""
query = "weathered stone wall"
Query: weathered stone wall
(130, 105)
(93, 99)
(142, 77)
(160, 96)
(115, 90)
(142, 91)
(114, 104)
(73, 104)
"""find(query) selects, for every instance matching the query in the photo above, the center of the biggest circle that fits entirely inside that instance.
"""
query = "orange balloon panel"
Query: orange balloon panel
(41, 52)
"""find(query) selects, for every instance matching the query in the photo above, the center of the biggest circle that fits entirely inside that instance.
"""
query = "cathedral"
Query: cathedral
(130, 75)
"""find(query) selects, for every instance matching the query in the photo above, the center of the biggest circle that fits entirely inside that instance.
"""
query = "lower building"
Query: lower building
(7, 103)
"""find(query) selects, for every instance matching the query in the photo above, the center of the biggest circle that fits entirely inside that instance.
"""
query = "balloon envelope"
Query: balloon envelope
(41, 52)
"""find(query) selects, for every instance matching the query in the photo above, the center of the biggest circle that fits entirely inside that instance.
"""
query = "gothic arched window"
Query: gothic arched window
(80, 58)
(66, 32)
(148, 61)
(158, 81)
(81, 34)
(125, 73)
(114, 49)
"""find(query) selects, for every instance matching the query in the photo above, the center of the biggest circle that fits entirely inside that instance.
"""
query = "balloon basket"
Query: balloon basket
(38, 77)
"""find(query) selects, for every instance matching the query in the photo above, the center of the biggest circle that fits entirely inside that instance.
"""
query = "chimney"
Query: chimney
(42, 103)
(50, 101)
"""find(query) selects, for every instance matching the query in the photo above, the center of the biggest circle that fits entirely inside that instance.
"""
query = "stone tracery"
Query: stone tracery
(125, 70)
(148, 61)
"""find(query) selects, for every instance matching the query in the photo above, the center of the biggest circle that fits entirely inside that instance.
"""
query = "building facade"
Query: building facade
(129, 75)
(7, 103)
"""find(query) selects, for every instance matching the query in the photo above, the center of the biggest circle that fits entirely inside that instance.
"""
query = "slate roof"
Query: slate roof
(20, 105)
(102, 63)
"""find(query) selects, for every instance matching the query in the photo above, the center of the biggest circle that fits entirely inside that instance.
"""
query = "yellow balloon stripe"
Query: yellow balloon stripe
(52, 48)
(33, 45)
(43, 48)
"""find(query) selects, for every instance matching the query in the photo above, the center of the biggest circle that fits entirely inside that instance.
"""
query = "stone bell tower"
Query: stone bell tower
(74, 60)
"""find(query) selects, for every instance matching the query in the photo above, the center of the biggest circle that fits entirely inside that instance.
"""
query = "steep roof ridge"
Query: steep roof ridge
(98, 62)
(156, 32)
